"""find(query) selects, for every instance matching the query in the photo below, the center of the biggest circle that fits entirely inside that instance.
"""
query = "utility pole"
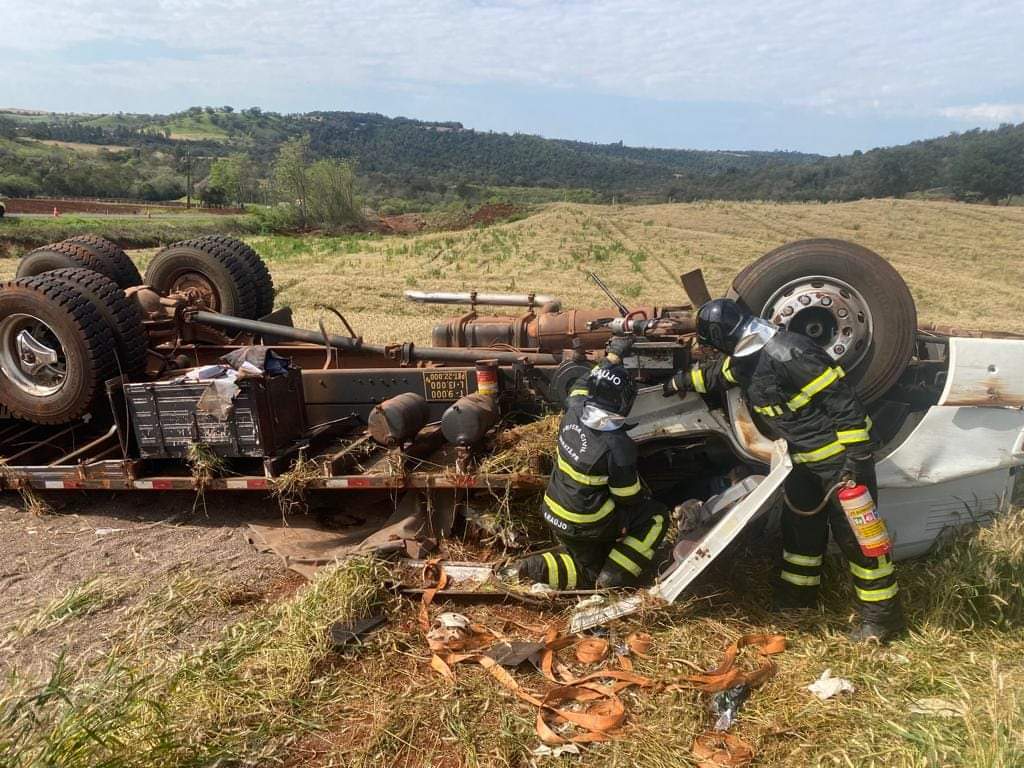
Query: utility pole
(188, 176)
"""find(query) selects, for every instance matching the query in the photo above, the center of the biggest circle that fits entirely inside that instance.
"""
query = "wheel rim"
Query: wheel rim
(829, 311)
(31, 355)
(198, 287)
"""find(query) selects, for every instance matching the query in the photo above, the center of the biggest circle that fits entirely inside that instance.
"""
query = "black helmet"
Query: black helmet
(720, 324)
(612, 388)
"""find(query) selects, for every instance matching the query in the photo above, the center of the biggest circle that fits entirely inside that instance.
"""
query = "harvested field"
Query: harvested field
(183, 648)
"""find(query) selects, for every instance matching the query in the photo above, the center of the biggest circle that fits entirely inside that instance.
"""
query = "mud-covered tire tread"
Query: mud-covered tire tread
(227, 259)
(127, 274)
(264, 283)
(92, 329)
(62, 255)
(122, 315)
(889, 299)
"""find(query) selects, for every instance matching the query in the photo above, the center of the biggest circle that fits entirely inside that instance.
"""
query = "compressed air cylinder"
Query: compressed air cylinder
(468, 419)
(398, 419)
(868, 527)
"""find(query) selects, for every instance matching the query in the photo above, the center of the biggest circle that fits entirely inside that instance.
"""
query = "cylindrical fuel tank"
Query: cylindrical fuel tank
(398, 419)
(468, 419)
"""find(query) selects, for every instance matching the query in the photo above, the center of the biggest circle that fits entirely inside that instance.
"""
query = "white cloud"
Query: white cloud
(993, 114)
(846, 56)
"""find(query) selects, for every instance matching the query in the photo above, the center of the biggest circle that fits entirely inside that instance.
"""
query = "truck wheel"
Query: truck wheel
(844, 296)
(56, 350)
(63, 255)
(111, 254)
(262, 280)
(123, 316)
(218, 276)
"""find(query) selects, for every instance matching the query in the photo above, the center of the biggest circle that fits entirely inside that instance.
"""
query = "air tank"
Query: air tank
(468, 419)
(398, 419)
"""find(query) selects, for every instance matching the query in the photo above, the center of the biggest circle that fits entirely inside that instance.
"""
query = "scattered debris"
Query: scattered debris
(937, 707)
(639, 644)
(826, 686)
(107, 531)
(725, 705)
(592, 650)
(344, 633)
(543, 750)
(721, 750)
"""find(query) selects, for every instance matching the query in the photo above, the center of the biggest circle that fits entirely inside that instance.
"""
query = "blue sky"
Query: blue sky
(747, 74)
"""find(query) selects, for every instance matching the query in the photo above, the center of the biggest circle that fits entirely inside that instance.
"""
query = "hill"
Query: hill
(432, 163)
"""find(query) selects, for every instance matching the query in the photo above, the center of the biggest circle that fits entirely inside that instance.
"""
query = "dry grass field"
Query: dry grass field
(206, 666)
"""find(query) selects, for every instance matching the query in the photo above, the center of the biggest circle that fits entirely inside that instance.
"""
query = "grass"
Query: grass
(19, 234)
(268, 691)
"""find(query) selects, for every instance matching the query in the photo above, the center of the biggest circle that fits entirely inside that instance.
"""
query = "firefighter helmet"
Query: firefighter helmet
(612, 388)
(720, 324)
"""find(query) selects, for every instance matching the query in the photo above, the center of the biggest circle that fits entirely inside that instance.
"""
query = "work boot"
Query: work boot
(786, 601)
(875, 632)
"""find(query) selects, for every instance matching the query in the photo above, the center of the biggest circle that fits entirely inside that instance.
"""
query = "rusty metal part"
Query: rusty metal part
(696, 288)
(398, 419)
(474, 298)
(468, 420)
(408, 353)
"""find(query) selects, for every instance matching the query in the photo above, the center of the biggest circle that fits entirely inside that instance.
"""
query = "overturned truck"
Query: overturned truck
(111, 381)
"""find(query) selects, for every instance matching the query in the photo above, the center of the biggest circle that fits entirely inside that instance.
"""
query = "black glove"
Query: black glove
(618, 348)
(679, 384)
(858, 464)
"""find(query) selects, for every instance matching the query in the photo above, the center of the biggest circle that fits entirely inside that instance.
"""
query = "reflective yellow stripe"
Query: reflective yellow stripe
(807, 560)
(799, 579)
(727, 371)
(638, 547)
(697, 378)
(624, 562)
(645, 547)
(768, 410)
(570, 571)
(549, 561)
(579, 393)
(627, 490)
(824, 380)
(574, 517)
(847, 436)
(655, 532)
(825, 452)
(579, 477)
(877, 595)
(885, 568)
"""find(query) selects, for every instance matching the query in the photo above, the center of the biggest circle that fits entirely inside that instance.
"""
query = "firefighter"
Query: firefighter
(606, 524)
(800, 395)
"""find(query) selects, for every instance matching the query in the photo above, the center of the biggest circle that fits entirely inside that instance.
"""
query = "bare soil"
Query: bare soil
(140, 545)
(46, 205)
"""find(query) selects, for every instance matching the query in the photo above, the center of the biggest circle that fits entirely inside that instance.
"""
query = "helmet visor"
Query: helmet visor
(753, 336)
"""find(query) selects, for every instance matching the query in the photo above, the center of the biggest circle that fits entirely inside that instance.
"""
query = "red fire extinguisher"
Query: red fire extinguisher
(868, 527)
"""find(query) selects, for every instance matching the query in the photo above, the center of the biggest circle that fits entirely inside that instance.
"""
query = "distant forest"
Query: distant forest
(404, 164)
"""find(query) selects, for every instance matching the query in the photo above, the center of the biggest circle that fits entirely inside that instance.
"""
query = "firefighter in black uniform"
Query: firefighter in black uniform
(800, 395)
(608, 527)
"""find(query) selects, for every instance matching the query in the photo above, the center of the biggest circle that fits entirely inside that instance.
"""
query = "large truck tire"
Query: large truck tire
(64, 255)
(844, 296)
(217, 274)
(258, 270)
(56, 350)
(123, 316)
(119, 266)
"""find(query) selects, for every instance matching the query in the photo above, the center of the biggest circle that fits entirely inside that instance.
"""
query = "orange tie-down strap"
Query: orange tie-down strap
(602, 714)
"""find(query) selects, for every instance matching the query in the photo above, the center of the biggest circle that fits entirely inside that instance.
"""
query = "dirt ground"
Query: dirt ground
(132, 552)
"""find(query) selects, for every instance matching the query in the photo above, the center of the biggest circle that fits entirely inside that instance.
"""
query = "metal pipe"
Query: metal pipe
(85, 448)
(408, 351)
(482, 299)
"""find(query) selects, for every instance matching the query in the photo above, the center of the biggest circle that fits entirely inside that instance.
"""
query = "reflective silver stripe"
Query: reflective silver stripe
(799, 579)
(697, 378)
(628, 490)
(811, 561)
(877, 595)
(574, 517)
(820, 454)
(578, 476)
(624, 562)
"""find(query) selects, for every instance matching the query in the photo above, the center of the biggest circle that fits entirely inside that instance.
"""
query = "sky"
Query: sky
(821, 76)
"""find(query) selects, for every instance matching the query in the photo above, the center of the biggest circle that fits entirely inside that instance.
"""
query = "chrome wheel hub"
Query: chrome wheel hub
(827, 310)
(31, 356)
